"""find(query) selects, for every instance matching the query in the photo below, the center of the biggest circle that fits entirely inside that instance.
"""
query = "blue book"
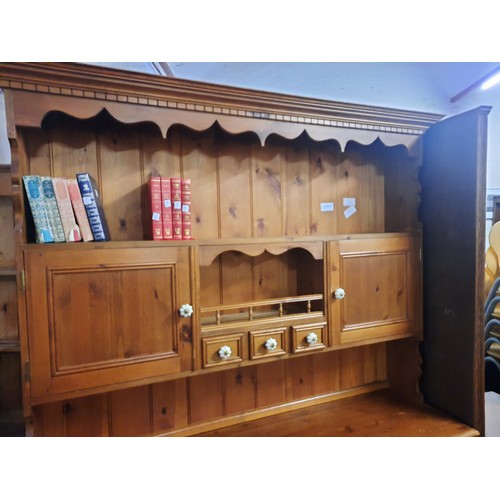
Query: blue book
(93, 206)
(32, 185)
(51, 209)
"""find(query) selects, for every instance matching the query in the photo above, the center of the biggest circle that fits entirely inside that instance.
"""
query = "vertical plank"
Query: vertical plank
(374, 363)
(270, 388)
(326, 372)
(352, 370)
(10, 383)
(7, 248)
(270, 275)
(199, 163)
(210, 284)
(364, 182)
(237, 277)
(8, 309)
(38, 151)
(73, 148)
(296, 189)
(121, 182)
(401, 190)
(170, 407)
(130, 412)
(49, 420)
(205, 397)
(324, 160)
(234, 157)
(160, 155)
(267, 166)
(299, 378)
(239, 390)
(88, 416)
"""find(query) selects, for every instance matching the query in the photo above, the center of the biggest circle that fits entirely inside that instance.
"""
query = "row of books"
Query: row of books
(169, 208)
(66, 209)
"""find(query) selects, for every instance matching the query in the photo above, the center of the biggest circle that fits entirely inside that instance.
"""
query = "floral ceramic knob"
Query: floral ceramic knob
(312, 338)
(339, 293)
(271, 344)
(225, 352)
(186, 310)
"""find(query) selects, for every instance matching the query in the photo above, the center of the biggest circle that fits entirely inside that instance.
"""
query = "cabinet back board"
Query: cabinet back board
(239, 188)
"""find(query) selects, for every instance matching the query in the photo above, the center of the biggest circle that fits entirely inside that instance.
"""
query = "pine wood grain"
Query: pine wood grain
(375, 414)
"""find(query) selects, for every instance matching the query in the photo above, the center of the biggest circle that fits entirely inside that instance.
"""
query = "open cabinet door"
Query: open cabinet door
(453, 179)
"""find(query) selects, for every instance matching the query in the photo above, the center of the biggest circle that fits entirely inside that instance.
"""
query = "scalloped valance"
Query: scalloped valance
(84, 91)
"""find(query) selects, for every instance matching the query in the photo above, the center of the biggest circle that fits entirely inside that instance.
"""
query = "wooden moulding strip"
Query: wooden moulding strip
(274, 410)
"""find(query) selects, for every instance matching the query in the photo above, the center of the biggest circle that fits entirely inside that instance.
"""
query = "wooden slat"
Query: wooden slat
(374, 414)
(5, 184)
(130, 412)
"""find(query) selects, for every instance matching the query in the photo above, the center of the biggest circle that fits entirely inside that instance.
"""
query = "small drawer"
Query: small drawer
(222, 350)
(308, 337)
(267, 343)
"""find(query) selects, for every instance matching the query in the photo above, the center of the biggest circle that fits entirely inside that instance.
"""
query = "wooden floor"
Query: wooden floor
(374, 414)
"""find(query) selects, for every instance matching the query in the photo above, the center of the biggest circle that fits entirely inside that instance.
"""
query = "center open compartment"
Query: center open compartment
(238, 288)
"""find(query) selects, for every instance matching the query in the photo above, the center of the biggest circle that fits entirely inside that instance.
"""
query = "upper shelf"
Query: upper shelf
(83, 91)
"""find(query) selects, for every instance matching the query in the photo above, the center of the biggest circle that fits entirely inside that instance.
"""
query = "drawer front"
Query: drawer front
(222, 350)
(308, 337)
(268, 343)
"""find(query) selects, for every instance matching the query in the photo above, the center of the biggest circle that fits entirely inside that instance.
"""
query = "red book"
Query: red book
(71, 229)
(175, 183)
(155, 223)
(166, 208)
(79, 209)
(186, 209)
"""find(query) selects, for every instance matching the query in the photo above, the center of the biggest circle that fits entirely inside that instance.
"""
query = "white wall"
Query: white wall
(4, 143)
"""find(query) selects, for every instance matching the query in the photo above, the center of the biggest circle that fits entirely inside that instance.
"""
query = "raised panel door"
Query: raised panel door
(98, 317)
(373, 288)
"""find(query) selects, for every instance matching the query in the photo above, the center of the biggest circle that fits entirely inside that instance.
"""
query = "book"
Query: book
(32, 186)
(175, 183)
(51, 209)
(155, 223)
(79, 209)
(166, 207)
(71, 228)
(93, 206)
(186, 208)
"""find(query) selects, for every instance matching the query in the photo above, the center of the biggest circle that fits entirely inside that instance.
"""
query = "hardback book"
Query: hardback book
(186, 209)
(79, 209)
(32, 186)
(51, 208)
(93, 206)
(71, 228)
(166, 207)
(176, 188)
(155, 224)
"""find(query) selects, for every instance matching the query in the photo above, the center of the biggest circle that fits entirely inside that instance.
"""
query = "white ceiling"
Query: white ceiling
(424, 86)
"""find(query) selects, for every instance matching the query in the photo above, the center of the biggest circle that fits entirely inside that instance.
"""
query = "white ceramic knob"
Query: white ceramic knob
(271, 344)
(186, 310)
(339, 293)
(225, 352)
(312, 338)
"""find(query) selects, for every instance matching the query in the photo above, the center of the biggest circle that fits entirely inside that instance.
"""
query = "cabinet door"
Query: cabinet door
(453, 179)
(98, 317)
(373, 286)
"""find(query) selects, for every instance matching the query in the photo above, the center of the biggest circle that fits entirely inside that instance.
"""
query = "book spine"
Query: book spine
(186, 209)
(155, 219)
(79, 209)
(176, 208)
(93, 206)
(166, 207)
(71, 228)
(52, 209)
(32, 185)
